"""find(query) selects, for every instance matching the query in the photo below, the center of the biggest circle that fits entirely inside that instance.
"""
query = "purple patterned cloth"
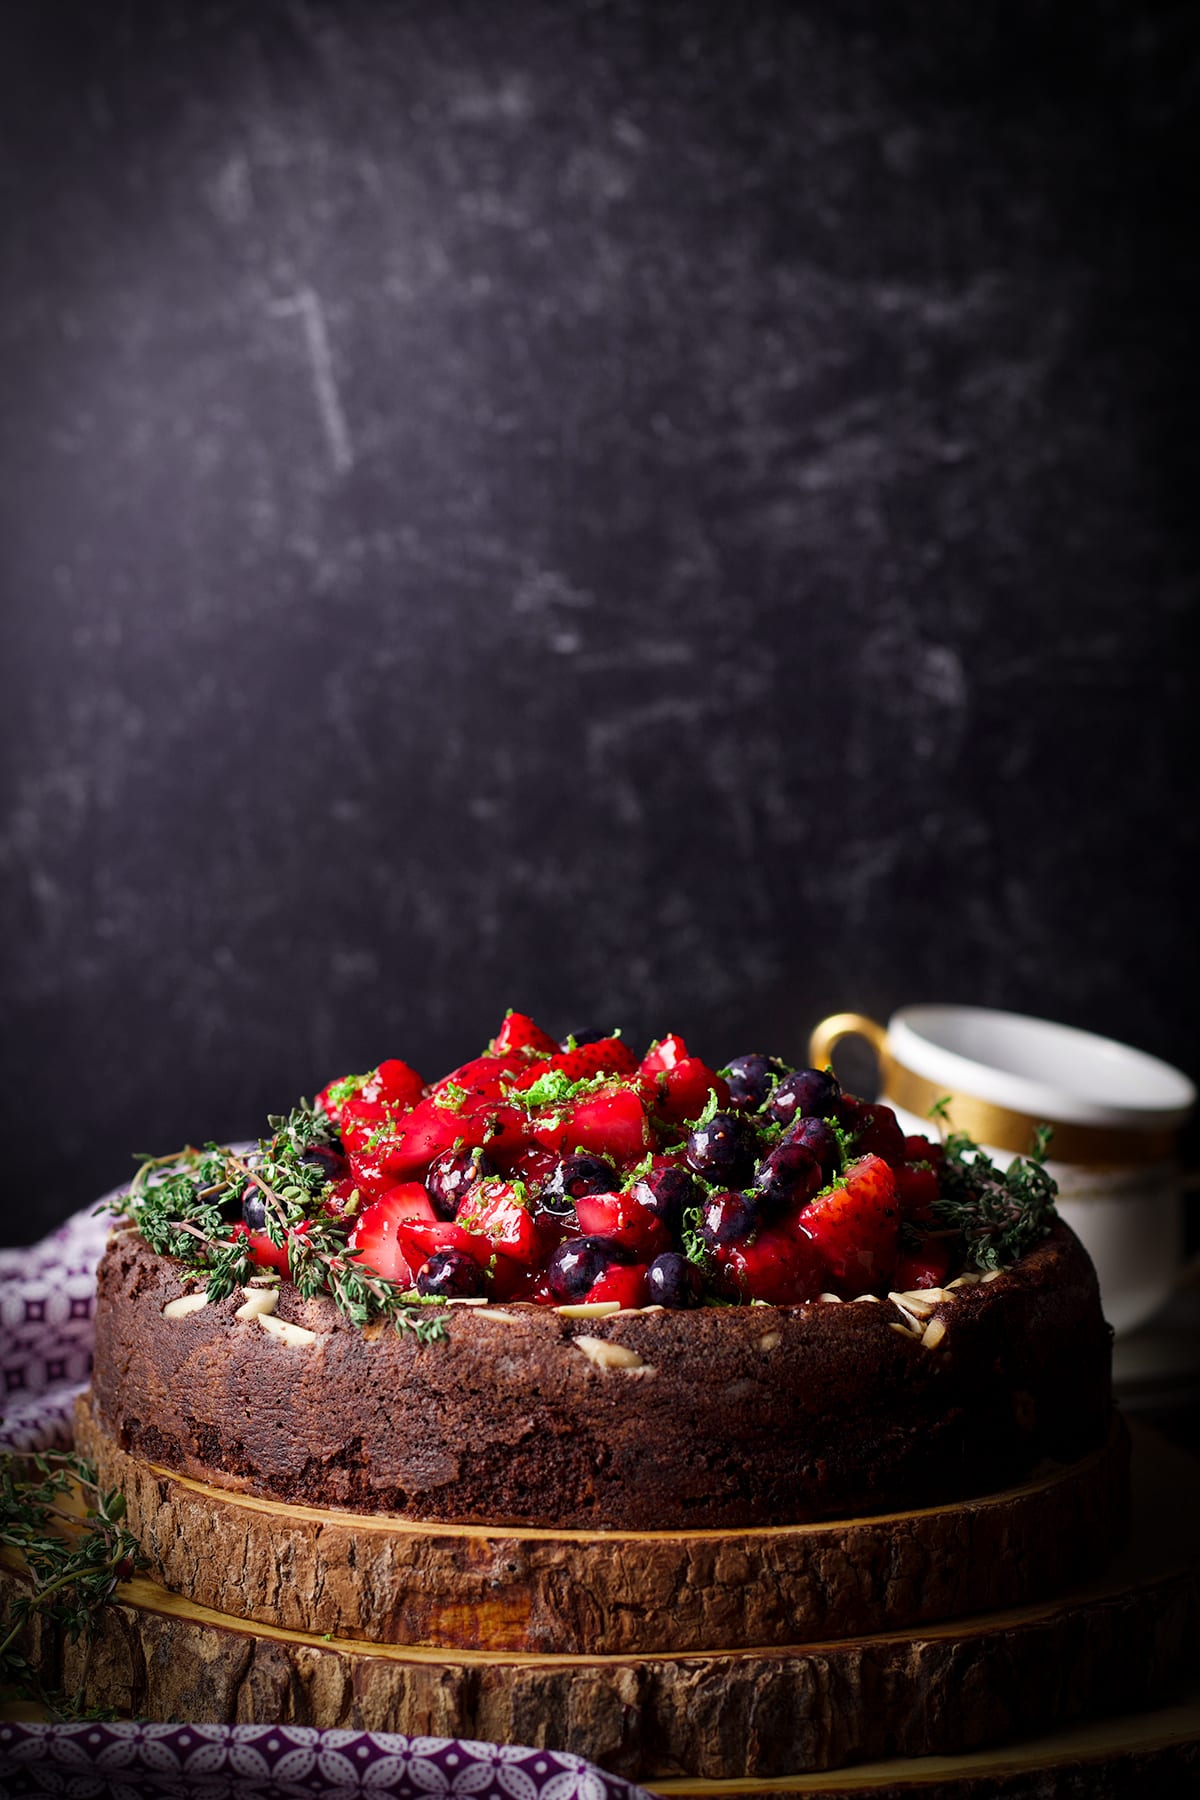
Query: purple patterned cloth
(47, 1296)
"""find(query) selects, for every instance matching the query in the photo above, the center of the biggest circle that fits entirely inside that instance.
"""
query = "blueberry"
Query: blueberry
(671, 1280)
(723, 1150)
(329, 1163)
(576, 1175)
(578, 1264)
(452, 1274)
(751, 1079)
(789, 1175)
(808, 1094)
(575, 1040)
(254, 1208)
(727, 1218)
(451, 1177)
(667, 1193)
(821, 1139)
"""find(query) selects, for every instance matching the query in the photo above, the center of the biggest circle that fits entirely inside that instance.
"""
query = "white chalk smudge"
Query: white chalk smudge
(305, 305)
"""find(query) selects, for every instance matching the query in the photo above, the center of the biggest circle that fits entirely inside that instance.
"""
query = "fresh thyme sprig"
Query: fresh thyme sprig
(71, 1556)
(998, 1214)
(182, 1203)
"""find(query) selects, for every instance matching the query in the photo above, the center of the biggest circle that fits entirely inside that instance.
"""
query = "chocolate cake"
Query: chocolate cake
(717, 1416)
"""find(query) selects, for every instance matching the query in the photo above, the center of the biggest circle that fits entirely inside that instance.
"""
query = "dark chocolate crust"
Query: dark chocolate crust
(736, 1416)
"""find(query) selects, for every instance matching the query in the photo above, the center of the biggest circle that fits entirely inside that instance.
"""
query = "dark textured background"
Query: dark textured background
(677, 514)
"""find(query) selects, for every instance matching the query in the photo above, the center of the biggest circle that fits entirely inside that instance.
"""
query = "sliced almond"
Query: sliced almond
(468, 1300)
(770, 1340)
(962, 1281)
(594, 1309)
(831, 1299)
(933, 1334)
(297, 1336)
(606, 1355)
(907, 1331)
(186, 1303)
(258, 1302)
(872, 1299)
(992, 1275)
(503, 1318)
(933, 1295)
(910, 1304)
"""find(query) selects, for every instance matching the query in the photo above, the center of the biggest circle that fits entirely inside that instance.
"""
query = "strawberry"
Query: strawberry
(923, 1149)
(624, 1282)
(854, 1225)
(519, 1032)
(874, 1129)
(376, 1232)
(416, 1138)
(494, 1210)
(266, 1254)
(623, 1220)
(916, 1189)
(607, 1056)
(778, 1264)
(663, 1054)
(611, 1122)
(482, 1078)
(682, 1092)
(534, 1167)
(394, 1083)
(926, 1267)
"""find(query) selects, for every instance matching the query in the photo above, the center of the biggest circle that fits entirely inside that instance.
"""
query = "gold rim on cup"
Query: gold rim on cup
(1000, 1126)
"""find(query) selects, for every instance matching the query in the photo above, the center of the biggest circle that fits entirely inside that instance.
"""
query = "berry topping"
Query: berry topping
(451, 1275)
(788, 1176)
(668, 1192)
(854, 1225)
(777, 1265)
(376, 1234)
(808, 1094)
(874, 1130)
(576, 1175)
(819, 1137)
(452, 1175)
(519, 1032)
(727, 1219)
(722, 1149)
(671, 1280)
(577, 1265)
(624, 1283)
(751, 1079)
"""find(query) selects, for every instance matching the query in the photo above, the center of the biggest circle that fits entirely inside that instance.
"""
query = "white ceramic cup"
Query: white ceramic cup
(1115, 1113)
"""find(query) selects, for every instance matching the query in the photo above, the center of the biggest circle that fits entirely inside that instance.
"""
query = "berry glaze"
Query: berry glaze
(577, 1174)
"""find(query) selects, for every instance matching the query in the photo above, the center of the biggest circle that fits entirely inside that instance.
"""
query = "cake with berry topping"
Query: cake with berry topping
(565, 1286)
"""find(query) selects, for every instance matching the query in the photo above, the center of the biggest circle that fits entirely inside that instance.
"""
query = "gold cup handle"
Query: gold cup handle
(829, 1033)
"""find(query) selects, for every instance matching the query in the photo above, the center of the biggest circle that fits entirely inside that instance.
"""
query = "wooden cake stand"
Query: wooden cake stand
(702, 1663)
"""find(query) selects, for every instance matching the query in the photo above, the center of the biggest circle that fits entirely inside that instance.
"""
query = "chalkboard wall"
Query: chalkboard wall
(671, 514)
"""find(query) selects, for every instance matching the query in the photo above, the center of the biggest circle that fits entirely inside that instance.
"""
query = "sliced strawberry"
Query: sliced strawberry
(778, 1264)
(419, 1238)
(417, 1137)
(519, 1032)
(376, 1231)
(361, 1120)
(334, 1095)
(502, 1129)
(394, 1083)
(338, 1196)
(926, 1267)
(683, 1091)
(607, 1056)
(916, 1190)
(495, 1211)
(623, 1282)
(266, 1254)
(611, 1122)
(483, 1078)
(623, 1219)
(854, 1225)
(663, 1054)
(874, 1129)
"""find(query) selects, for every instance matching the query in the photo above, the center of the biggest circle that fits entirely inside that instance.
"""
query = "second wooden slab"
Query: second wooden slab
(385, 1580)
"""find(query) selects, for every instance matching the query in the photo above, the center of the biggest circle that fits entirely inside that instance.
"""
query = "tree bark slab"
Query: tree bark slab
(391, 1581)
(742, 1713)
